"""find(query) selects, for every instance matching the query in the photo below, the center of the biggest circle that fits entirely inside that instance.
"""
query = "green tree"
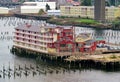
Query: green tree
(41, 12)
(56, 8)
(47, 7)
(107, 3)
(116, 24)
(86, 2)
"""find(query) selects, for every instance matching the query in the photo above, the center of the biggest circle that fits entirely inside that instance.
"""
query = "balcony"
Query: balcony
(30, 43)
(46, 41)
(26, 33)
(37, 35)
(45, 36)
(26, 37)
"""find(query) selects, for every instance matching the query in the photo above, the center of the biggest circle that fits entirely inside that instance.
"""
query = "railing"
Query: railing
(35, 39)
(31, 43)
(45, 41)
(25, 37)
(26, 33)
(31, 48)
(45, 36)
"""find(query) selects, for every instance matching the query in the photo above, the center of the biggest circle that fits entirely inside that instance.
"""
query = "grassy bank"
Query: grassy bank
(77, 22)
(62, 20)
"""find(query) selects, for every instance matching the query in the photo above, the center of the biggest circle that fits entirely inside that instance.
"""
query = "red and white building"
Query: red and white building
(43, 38)
(53, 39)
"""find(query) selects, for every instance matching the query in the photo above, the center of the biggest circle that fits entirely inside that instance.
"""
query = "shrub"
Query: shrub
(113, 57)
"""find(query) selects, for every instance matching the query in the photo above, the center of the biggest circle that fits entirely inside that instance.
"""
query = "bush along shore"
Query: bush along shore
(84, 22)
(107, 62)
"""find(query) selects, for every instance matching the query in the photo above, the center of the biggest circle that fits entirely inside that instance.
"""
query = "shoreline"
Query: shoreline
(76, 22)
(86, 26)
(49, 18)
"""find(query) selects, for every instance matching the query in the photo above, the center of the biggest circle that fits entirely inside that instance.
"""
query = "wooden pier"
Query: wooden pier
(98, 59)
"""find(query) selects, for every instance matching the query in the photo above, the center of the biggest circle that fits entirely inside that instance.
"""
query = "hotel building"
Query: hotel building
(43, 38)
(52, 39)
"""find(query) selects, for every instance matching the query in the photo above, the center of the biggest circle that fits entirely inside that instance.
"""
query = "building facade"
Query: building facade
(88, 12)
(53, 39)
(4, 10)
(53, 12)
(34, 7)
(64, 42)
(75, 11)
(44, 39)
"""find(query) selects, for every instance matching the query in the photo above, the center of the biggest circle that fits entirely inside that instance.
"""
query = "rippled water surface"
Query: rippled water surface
(42, 71)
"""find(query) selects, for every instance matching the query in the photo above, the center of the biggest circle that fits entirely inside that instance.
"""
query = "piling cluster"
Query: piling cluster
(19, 71)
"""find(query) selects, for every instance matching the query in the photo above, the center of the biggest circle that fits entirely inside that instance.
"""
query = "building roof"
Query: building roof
(98, 39)
(83, 37)
(29, 27)
(37, 28)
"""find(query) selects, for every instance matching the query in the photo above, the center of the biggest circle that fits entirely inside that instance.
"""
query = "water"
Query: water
(50, 73)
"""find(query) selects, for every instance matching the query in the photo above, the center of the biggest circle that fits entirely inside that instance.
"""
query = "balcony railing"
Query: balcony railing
(30, 43)
(31, 48)
(45, 36)
(26, 33)
(28, 38)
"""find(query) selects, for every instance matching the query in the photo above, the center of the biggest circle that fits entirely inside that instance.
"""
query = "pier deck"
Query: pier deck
(103, 56)
(97, 58)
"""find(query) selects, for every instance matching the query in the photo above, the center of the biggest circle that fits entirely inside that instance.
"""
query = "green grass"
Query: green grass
(113, 57)
(84, 21)
(87, 21)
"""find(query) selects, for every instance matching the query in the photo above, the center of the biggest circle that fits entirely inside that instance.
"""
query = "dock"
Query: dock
(104, 59)
(97, 58)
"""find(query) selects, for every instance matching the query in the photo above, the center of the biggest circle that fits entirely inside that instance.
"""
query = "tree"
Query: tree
(41, 12)
(116, 24)
(56, 8)
(107, 3)
(86, 2)
(47, 7)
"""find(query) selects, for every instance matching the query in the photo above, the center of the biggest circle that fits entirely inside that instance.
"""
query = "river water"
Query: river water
(48, 72)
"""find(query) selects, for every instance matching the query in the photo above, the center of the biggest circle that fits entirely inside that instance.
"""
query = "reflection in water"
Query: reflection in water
(17, 69)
